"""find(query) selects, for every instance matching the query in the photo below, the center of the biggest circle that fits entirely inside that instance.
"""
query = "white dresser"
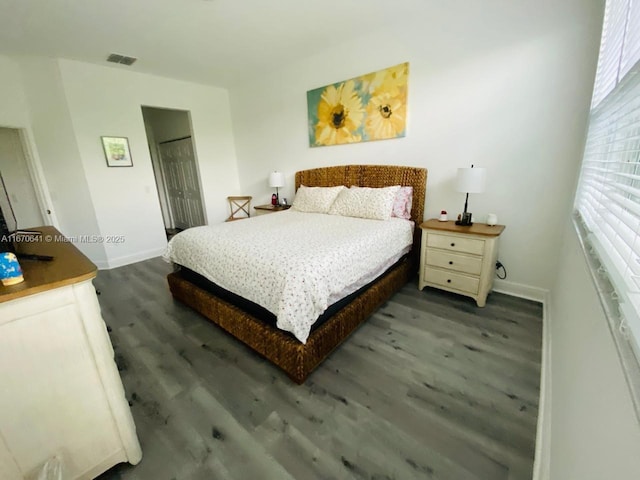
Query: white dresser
(459, 259)
(61, 393)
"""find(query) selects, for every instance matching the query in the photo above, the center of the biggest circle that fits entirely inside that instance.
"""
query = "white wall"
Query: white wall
(503, 85)
(65, 107)
(108, 101)
(13, 103)
(593, 429)
(57, 148)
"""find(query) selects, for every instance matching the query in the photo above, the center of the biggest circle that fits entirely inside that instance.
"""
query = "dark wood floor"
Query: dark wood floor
(429, 387)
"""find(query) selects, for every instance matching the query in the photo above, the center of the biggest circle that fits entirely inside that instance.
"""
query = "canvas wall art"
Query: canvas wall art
(368, 107)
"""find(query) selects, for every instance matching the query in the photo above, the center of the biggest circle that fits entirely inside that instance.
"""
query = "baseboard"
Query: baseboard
(542, 459)
(102, 265)
(129, 259)
(543, 429)
(520, 290)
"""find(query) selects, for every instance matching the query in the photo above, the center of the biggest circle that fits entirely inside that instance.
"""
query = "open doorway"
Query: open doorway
(22, 199)
(175, 167)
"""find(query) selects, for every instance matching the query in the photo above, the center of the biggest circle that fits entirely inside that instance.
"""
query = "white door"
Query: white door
(15, 172)
(183, 186)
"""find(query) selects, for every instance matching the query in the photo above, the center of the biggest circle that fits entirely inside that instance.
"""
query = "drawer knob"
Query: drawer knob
(449, 280)
(453, 244)
(450, 262)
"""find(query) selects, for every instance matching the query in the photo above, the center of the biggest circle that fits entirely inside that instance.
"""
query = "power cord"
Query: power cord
(498, 267)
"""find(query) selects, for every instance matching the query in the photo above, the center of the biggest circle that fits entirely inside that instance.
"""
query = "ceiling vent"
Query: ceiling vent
(122, 59)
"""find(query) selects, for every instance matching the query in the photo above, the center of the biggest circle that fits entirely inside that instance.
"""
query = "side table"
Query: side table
(459, 259)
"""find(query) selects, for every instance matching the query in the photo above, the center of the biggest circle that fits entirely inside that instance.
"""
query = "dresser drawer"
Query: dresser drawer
(455, 244)
(448, 279)
(454, 261)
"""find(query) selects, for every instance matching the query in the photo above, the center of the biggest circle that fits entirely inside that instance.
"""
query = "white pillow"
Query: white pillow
(315, 199)
(365, 202)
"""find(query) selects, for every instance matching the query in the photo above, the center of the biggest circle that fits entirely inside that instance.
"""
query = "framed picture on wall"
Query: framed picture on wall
(116, 150)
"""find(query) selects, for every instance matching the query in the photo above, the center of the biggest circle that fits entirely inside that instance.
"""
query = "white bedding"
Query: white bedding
(293, 264)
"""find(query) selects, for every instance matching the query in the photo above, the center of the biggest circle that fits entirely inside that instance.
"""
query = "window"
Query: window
(611, 45)
(608, 197)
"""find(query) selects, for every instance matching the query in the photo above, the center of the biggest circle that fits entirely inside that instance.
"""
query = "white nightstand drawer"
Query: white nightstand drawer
(457, 281)
(454, 261)
(455, 244)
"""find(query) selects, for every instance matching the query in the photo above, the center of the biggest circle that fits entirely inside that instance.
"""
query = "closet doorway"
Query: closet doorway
(23, 206)
(175, 167)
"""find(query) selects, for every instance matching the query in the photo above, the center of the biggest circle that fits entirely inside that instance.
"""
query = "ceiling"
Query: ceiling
(207, 41)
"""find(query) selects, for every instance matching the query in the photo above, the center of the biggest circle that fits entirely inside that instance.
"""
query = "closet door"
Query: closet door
(182, 183)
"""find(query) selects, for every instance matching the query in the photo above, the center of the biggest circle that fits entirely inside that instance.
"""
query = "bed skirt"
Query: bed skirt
(298, 360)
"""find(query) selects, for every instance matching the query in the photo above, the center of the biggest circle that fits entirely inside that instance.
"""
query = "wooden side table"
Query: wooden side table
(271, 208)
(459, 259)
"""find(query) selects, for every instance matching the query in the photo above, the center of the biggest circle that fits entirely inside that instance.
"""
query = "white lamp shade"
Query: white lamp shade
(276, 179)
(471, 180)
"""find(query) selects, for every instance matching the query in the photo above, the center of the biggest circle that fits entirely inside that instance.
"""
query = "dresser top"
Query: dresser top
(475, 229)
(68, 266)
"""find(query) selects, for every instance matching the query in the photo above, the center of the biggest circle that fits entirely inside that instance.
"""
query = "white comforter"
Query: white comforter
(293, 264)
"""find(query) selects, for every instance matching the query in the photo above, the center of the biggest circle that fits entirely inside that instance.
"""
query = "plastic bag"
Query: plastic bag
(52, 469)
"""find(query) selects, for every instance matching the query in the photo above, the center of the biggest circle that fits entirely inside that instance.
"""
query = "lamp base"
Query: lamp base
(465, 220)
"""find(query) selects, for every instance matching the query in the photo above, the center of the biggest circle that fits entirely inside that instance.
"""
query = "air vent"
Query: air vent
(122, 59)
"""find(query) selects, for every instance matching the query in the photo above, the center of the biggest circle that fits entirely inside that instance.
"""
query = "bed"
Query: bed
(299, 358)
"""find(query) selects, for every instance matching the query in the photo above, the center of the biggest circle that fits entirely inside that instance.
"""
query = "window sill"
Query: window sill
(610, 307)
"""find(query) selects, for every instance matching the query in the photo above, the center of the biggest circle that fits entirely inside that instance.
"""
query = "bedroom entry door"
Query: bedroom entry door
(25, 197)
(182, 185)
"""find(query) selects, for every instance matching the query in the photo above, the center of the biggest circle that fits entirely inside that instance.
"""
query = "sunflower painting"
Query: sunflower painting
(369, 107)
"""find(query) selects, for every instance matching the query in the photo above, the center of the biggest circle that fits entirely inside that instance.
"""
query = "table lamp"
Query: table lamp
(276, 180)
(469, 180)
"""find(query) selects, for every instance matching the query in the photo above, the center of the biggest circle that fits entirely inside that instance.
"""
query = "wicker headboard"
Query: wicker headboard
(371, 176)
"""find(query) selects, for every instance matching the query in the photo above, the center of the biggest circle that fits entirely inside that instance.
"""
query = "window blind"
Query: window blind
(611, 44)
(631, 46)
(608, 195)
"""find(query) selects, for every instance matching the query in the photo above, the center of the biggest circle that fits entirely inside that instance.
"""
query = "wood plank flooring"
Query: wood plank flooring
(429, 387)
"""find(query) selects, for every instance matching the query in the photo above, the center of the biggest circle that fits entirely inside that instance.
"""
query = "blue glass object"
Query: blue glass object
(10, 271)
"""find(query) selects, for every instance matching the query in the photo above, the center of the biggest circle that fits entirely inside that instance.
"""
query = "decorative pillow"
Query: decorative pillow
(365, 202)
(315, 199)
(402, 203)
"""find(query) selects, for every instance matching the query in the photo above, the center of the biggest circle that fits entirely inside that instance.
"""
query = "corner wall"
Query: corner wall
(108, 101)
(65, 107)
(57, 148)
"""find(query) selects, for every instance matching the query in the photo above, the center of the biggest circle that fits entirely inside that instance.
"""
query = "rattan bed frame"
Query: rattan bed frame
(298, 360)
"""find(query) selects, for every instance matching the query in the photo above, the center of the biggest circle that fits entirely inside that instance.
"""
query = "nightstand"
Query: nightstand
(271, 208)
(459, 259)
